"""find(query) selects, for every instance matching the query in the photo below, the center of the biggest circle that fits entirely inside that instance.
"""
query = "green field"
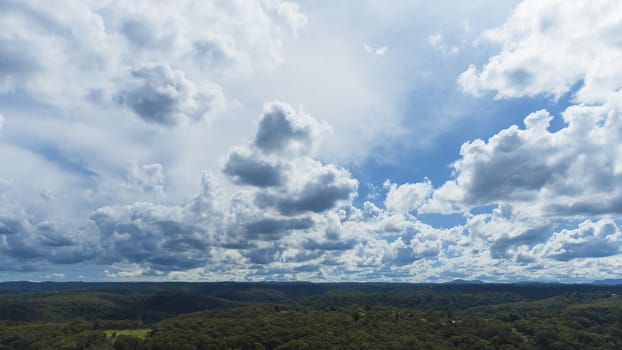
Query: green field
(141, 333)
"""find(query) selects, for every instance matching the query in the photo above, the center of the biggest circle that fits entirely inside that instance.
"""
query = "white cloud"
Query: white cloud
(42, 57)
(77, 79)
(547, 47)
(290, 193)
(537, 178)
(292, 14)
(288, 208)
(30, 243)
(163, 237)
(570, 172)
(125, 271)
(278, 163)
(589, 240)
(160, 94)
(507, 232)
(54, 276)
(1, 121)
(148, 178)
(437, 41)
(407, 197)
(379, 51)
(283, 130)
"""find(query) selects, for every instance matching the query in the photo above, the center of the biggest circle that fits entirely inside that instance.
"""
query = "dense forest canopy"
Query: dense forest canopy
(309, 316)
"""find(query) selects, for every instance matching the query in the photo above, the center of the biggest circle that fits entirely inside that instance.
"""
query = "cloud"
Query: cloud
(163, 237)
(30, 244)
(278, 163)
(145, 33)
(407, 197)
(541, 180)
(548, 47)
(72, 162)
(379, 51)
(246, 168)
(156, 236)
(508, 232)
(54, 276)
(437, 41)
(1, 121)
(554, 173)
(70, 58)
(589, 240)
(533, 197)
(75, 77)
(569, 172)
(263, 256)
(272, 229)
(400, 253)
(162, 95)
(148, 178)
(297, 218)
(313, 187)
(282, 192)
(290, 11)
(281, 129)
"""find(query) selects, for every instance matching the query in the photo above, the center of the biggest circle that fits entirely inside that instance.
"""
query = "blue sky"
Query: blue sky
(274, 140)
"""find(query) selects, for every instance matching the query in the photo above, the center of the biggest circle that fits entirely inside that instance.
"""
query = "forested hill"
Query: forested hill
(282, 316)
(155, 301)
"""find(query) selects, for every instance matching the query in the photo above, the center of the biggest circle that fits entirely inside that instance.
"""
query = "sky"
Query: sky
(268, 140)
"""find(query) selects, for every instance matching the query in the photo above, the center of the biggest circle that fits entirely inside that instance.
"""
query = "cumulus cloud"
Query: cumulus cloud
(277, 206)
(43, 56)
(286, 212)
(548, 47)
(573, 171)
(91, 65)
(283, 135)
(271, 229)
(246, 168)
(304, 224)
(278, 163)
(147, 178)
(28, 243)
(393, 242)
(160, 94)
(317, 188)
(507, 231)
(281, 129)
(538, 180)
(147, 239)
(589, 240)
(407, 197)
(401, 253)
(164, 238)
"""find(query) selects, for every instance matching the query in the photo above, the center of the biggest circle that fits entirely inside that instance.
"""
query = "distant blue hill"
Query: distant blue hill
(608, 282)
(461, 281)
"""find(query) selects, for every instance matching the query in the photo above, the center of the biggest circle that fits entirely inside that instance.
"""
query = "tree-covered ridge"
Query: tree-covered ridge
(325, 317)
(151, 302)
